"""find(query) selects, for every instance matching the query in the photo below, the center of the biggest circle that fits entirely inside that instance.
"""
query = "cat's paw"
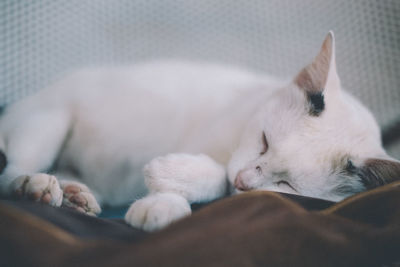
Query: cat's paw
(38, 187)
(78, 197)
(157, 211)
(195, 177)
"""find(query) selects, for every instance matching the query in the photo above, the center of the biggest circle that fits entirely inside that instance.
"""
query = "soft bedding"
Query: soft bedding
(251, 229)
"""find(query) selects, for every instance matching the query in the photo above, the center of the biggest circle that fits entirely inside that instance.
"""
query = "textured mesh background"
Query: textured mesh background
(42, 39)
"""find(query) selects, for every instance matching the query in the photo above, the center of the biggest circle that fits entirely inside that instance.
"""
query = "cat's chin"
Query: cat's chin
(236, 191)
(277, 190)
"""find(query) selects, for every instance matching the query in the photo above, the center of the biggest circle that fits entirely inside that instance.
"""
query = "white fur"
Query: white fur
(174, 181)
(157, 210)
(195, 177)
(39, 183)
(104, 125)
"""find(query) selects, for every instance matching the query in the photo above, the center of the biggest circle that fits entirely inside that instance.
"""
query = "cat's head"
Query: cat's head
(312, 138)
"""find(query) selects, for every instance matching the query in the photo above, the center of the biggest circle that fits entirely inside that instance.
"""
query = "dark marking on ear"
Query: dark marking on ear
(3, 161)
(317, 103)
(377, 172)
(312, 79)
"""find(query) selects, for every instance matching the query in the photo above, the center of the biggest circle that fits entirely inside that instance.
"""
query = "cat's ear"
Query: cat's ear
(375, 172)
(319, 77)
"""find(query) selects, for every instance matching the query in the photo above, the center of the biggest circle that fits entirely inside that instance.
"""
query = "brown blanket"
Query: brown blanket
(251, 229)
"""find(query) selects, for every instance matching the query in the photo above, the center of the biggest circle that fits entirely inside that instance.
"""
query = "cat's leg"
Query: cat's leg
(32, 143)
(78, 196)
(175, 181)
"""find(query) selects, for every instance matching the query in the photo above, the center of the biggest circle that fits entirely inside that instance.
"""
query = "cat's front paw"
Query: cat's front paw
(197, 178)
(78, 197)
(157, 211)
(38, 187)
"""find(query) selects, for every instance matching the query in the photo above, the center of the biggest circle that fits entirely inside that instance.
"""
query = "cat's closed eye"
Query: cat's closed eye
(264, 143)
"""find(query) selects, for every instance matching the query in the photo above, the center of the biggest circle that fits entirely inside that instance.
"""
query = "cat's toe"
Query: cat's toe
(78, 196)
(38, 187)
(157, 211)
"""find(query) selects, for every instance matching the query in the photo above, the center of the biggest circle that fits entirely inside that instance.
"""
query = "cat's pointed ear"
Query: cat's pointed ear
(375, 172)
(316, 78)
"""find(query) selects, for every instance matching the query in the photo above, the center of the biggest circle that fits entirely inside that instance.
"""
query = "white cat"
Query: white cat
(100, 127)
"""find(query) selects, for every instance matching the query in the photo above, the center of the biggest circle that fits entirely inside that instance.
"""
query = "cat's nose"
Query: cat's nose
(239, 183)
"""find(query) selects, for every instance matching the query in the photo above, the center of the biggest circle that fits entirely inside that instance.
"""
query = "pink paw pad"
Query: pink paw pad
(80, 200)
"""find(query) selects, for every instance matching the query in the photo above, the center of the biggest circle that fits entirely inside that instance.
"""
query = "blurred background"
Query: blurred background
(42, 39)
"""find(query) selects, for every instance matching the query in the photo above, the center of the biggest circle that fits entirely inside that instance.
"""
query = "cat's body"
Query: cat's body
(118, 119)
(100, 127)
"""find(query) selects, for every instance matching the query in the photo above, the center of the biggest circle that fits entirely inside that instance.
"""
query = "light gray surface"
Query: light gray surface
(42, 39)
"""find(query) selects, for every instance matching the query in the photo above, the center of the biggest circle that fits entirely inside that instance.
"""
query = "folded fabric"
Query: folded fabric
(250, 229)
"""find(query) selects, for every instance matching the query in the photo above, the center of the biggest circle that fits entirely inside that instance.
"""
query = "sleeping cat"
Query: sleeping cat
(97, 129)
